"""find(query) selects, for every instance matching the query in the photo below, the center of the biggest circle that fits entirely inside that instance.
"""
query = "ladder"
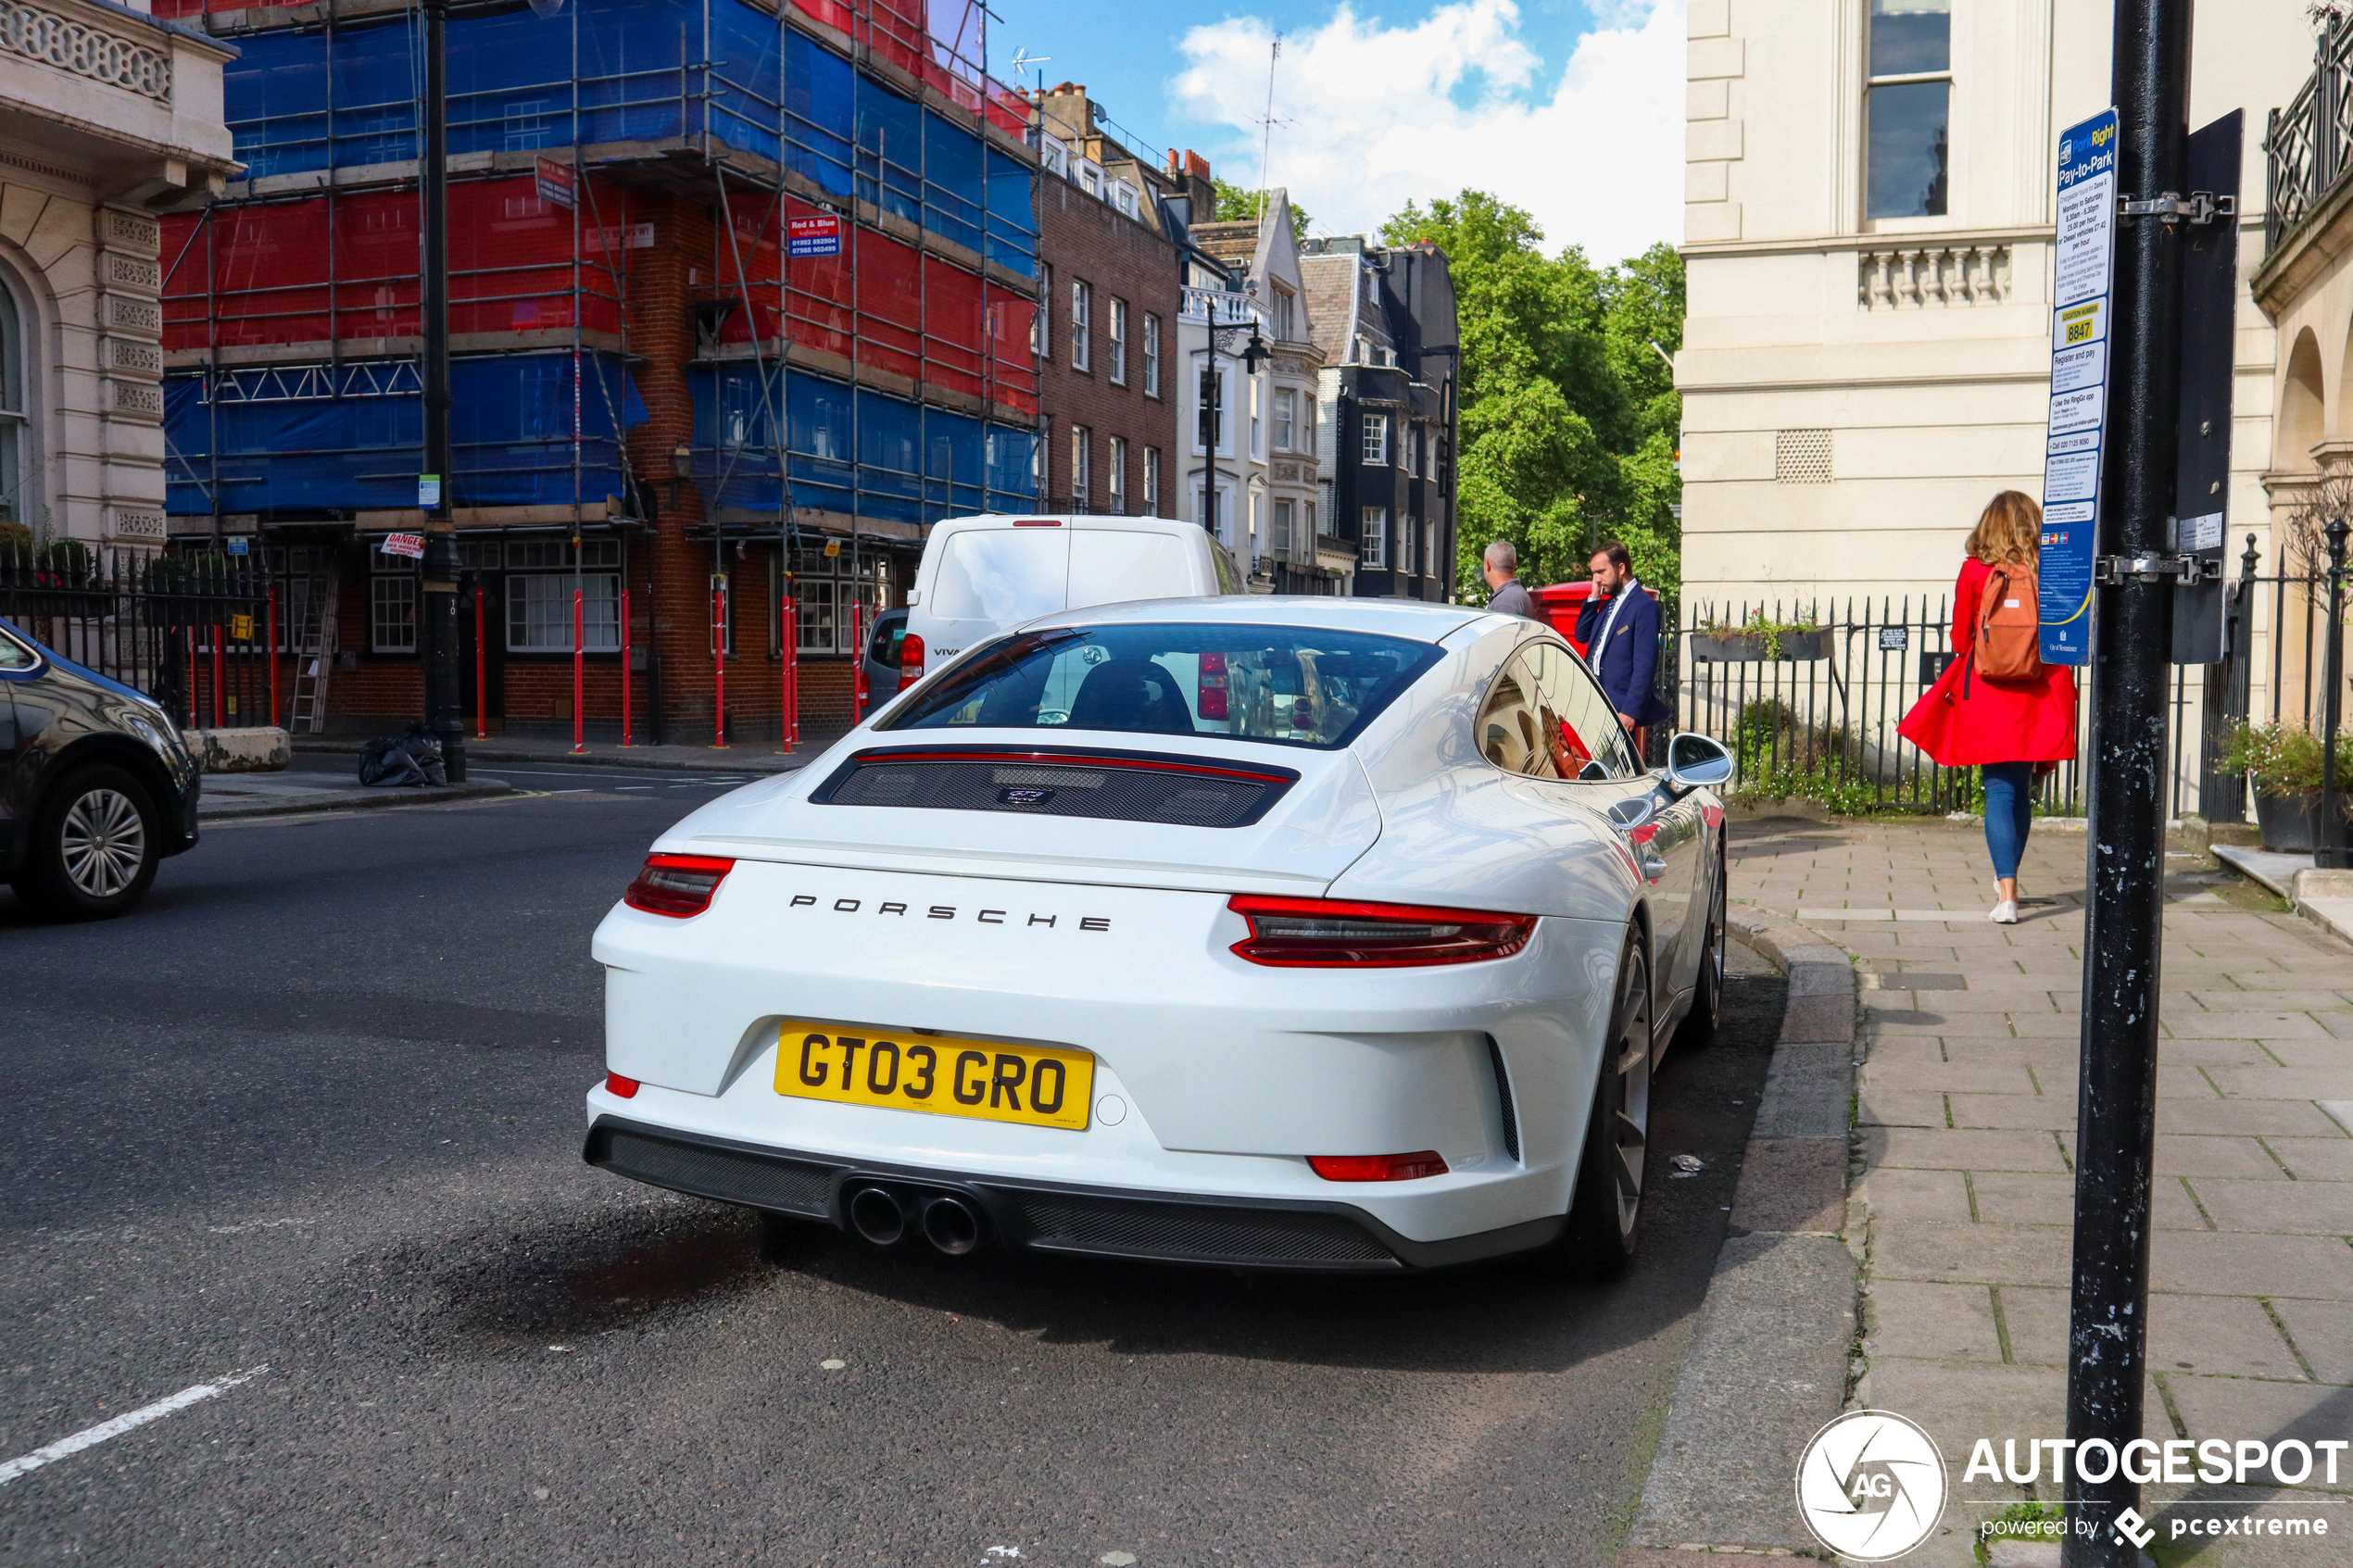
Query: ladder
(314, 659)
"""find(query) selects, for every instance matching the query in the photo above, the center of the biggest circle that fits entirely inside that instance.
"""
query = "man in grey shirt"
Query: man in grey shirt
(1501, 559)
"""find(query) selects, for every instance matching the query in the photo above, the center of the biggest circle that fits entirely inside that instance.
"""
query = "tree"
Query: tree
(1570, 419)
(1240, 204)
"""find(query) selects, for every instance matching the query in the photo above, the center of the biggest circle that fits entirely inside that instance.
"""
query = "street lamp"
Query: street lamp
(2329, 848)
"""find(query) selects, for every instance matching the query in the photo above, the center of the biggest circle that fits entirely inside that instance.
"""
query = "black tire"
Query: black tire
(1606, 1213)
(1707, 1016)
(96, 841)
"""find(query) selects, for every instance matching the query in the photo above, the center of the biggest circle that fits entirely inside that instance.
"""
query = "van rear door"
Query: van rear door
(992, 579)
(1115, 565)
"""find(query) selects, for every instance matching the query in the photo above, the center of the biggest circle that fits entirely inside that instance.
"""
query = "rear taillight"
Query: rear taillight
(626, 1088)
(910, 660)
(678, 885)
(1377, 1167)
(1339, 933)
(1213, 686)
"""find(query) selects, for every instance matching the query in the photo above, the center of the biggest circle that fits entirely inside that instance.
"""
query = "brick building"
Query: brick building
(1110, 277)
(741, 297)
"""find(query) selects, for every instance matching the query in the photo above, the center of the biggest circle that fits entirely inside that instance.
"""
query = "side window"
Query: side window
(1580, 725)
(1228, 579)
(1510, 728)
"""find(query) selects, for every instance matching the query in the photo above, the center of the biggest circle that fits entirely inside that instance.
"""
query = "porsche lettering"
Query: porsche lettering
(945, 911)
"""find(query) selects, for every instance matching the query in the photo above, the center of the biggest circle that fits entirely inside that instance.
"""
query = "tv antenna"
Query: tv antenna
(1023, 59)
(1266, 124)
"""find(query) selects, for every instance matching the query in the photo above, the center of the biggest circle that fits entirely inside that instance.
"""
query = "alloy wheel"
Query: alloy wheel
(103, 843)
(1631, 1107)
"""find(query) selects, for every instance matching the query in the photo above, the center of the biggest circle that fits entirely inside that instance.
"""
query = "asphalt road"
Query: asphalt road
(315, 1108)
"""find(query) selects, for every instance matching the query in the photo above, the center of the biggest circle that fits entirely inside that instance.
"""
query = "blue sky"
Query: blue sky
(1388, 102)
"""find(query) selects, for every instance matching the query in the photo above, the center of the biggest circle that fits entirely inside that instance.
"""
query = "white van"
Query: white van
(983, 575)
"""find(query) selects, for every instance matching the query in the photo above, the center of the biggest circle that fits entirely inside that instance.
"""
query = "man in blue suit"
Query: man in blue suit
(1619, 628)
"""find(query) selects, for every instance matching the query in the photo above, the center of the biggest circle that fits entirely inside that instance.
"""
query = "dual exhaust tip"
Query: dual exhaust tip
(883, 1218)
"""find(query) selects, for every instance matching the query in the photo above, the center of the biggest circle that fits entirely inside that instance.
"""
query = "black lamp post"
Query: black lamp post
(2329, 848)
(437, 633)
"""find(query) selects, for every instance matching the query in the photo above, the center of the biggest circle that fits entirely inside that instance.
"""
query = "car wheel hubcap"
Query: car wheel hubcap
(104, 843)
(1630, 1113)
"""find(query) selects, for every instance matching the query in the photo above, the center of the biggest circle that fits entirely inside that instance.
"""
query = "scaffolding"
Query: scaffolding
(921, 325)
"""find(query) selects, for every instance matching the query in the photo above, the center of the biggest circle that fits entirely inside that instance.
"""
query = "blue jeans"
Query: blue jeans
(2009, 812)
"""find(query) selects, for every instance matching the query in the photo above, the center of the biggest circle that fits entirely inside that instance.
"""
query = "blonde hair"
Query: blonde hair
(2009, 531)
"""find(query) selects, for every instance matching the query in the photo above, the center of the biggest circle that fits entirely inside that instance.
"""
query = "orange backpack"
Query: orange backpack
(2007, 646)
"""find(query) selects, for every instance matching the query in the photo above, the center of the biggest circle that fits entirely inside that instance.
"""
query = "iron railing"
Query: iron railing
(194, 632)
(2308, 146)
(1813, 714)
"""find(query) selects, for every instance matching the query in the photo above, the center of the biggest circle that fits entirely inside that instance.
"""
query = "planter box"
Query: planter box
(2290, 822)
(1746, 647)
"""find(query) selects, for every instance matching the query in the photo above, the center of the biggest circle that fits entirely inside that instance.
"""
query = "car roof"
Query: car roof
(1392, 618)
(1071, 519)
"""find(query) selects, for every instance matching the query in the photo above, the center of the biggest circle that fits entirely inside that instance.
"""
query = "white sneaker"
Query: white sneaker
(2004, 912)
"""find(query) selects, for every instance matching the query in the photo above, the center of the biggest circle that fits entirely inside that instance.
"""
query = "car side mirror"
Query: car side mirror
(1696, 761)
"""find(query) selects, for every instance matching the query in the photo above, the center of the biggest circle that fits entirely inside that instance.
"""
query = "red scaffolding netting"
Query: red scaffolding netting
(880, 303)
(332, 267)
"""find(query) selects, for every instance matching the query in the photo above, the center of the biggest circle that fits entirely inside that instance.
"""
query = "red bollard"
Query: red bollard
(857, 661)
(627, 733)
(719, 663)
(788, 669)
(579, 674)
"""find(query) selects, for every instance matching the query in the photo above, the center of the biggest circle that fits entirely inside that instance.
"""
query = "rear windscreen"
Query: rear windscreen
(1003, 576)
(1293, 686)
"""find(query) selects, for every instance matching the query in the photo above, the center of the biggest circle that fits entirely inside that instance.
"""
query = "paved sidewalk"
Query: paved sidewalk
(1964, 1159)
(746, 756)
(230, 796)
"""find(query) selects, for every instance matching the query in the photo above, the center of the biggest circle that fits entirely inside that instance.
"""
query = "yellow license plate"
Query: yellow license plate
(1032, 1084)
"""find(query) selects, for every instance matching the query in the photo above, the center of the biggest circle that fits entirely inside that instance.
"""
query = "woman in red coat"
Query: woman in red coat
(2015, 729)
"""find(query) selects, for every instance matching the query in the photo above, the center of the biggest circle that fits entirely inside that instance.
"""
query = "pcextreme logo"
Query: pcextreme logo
(1870, 1486)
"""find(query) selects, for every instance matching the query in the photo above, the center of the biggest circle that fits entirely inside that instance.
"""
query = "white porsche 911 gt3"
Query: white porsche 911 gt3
(1323, 933)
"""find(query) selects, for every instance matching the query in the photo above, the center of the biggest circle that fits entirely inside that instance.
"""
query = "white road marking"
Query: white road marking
(90, 1436)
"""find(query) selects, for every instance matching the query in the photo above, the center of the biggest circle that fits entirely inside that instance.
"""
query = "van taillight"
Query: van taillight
(677, 886)
(1213, 686)
(910, 660)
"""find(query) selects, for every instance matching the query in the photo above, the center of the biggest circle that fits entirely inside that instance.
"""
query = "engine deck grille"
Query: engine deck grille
(1180, 792)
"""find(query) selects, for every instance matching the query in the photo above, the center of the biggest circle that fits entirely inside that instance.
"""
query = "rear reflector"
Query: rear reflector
(1339, 933)
(1377, 1167)
(677, 886)
(910, 660)
(617, 1084)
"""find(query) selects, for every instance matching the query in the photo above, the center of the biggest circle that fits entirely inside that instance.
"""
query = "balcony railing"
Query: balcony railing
(1221, 307)
(2308, 146)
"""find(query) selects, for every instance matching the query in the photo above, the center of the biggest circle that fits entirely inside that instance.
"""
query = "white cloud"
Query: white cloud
(1377, 117)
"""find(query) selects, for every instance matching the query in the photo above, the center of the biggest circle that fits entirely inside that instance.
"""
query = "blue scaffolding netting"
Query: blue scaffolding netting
(320, 440)
(850, 450)
(632, 70)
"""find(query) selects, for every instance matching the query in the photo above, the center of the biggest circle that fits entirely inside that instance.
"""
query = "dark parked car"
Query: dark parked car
(881, 655)
(96, 786)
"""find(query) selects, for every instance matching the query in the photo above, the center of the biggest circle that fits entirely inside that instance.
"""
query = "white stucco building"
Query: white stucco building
(1249, 434)
(108, 117)
(1867, 231)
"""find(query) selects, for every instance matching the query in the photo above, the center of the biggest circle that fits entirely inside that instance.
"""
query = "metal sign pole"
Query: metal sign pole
(2133, 634)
